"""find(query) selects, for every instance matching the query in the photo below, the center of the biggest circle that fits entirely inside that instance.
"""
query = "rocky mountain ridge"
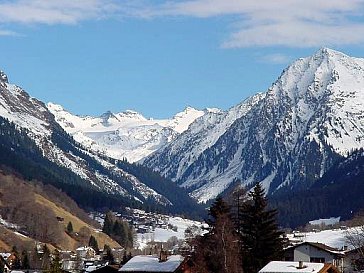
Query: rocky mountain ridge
(310, 117)
(286, 137)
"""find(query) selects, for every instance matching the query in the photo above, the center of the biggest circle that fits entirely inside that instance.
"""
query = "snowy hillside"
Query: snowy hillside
(286, 139)
(171, 160)
(124, 135)
(335, 238)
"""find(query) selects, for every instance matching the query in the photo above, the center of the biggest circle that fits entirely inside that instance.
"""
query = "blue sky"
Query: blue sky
(158, 57)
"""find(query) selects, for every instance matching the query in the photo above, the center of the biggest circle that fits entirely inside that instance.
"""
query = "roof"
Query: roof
(5, 255)
(319, 246)
(84, 248)
(291, 267)
(106, 269)
(150, 263)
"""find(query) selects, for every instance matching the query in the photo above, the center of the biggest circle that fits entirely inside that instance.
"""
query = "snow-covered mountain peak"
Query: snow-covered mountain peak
(187, 111)
(54, 106)
(213, 110)
(315, 76)
(130, 114)
(328, 53)
(108, 118)
(3, 77)
(126, 134)
(182, 120)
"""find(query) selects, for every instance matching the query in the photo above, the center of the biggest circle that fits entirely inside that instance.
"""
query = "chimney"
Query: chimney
(163, 255)
(300, 265)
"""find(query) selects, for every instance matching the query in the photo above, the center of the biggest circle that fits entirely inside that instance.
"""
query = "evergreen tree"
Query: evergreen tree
(108, 223)
(261, 240)
(130, 235)
(25, 260)
(93, 243)
(69, 228)
(36, 262)
(125, 258)
(108, 256)
(56, 265)
(17, 261)
(2, 266)
(46, 257)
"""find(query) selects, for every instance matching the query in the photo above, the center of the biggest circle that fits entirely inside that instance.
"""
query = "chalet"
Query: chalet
(86, 252)
(298, 267)
(315, 253)
(153, 264)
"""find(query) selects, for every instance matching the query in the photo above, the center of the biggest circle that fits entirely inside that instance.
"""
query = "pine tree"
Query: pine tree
(17, 261)
(46, 257)
(69, 228)
(93, 243)
(108, 223)
(25, 260)
(2, 265)
(108, 256)
(260, 237)
(125, 258)
(129, 235)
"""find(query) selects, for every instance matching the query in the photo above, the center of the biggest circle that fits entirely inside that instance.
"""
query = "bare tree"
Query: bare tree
(355, 239)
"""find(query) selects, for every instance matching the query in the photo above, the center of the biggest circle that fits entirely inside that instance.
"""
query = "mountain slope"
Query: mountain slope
(312, 116)
(34, 145)
(124, 135)
(338, 193)
(33, 217)
(171, 160)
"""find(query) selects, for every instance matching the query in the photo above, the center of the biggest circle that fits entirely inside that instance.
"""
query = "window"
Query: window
(317, 260)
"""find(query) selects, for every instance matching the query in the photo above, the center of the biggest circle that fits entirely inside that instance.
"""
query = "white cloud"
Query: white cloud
(54, 11)
(8, 33)
(293, 23)
(296, 34)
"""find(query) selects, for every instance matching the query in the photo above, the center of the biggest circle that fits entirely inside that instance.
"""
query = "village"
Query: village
(323, 249)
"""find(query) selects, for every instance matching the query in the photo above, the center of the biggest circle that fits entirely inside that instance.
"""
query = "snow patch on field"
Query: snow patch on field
(327, 221)
(162, 235)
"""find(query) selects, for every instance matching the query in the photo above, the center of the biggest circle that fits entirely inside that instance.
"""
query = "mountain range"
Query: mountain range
(287, 138)
(127, 134)
(35, 146)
